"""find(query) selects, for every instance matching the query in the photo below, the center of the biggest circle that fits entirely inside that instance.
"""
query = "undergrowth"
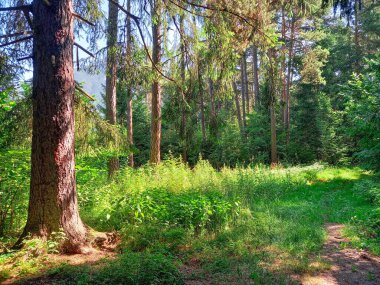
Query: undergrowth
(230, 226)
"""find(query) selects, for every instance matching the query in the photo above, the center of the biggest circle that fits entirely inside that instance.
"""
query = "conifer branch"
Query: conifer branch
(85, 50)
(77, 87)
(137, 22)
(25, 58)
(16, 34)
(16, 41)
(17, 8)
(83, 19)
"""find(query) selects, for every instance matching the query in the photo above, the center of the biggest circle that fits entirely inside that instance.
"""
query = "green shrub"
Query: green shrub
(14, 190)
(193, 209)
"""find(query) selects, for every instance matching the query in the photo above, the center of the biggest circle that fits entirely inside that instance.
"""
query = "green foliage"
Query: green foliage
(16, 122)
(5, 103)
(229, 149)
(169, 195)
(363, 113)
(313, 63)
(193, 209)
(366, 229)
(14, 186)
(233, 221)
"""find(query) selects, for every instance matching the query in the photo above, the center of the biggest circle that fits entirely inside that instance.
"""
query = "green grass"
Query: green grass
(228, 227)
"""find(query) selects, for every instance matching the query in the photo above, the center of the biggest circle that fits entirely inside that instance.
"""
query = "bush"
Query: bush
(193, 209)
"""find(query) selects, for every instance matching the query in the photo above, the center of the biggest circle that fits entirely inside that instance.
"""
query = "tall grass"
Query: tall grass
(252, 223)
(173, 194)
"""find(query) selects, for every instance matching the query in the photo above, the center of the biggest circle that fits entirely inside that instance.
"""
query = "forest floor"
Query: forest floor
(349, 266)
(310, 231)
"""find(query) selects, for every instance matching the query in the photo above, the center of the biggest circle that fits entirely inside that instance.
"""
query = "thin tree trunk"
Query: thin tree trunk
(243, 96)
(183, 131)
(129, 89)
(256, 77)
(289, 80)
(53, 200)
(155, 145)
(111, 76)
(356, 37)
(272, 107)
(200, 91)
(238, 112)
(213, 119)
(283, 71)
(245, 77)
(130, 127)
(273, 128)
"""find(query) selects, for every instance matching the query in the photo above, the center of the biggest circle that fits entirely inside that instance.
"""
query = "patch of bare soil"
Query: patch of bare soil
(348, 266)
(92, 257)
(103, 247)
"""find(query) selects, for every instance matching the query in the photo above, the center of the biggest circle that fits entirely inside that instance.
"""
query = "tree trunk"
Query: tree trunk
(111, 76)
(256, 78)
(201, 96)
(213, 119)
(356, 37)
(53, 200)
(246, 86)
(129, 89)
(183, 131)
(283, 70)
(155, 145)
(272, 107)
(246, 83)
(289, 80)
(243, 96)
(238, 112)
(273, 130)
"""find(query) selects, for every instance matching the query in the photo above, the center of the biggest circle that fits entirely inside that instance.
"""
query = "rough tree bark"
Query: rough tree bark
(129, 89)
(111, 75)
(155, 145)
(53, 200)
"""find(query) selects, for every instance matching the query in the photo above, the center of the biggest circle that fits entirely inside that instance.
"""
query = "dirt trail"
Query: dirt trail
(348, 266)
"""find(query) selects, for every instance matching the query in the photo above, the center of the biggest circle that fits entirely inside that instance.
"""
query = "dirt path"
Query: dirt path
(348, 266)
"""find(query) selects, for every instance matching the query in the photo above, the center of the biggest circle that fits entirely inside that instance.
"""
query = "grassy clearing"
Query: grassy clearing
(223, 227)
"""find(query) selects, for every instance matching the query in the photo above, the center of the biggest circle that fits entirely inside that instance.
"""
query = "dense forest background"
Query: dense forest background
(294, 82)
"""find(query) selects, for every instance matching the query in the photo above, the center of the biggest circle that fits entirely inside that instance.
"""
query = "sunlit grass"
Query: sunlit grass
(244, 224)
